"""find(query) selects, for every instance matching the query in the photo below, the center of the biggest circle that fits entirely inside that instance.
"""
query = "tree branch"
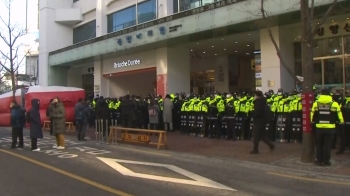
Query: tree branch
(329, 11)
(312, 10)
(283, 62)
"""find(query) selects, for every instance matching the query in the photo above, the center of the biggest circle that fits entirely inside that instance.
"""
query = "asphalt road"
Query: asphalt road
(85, 168)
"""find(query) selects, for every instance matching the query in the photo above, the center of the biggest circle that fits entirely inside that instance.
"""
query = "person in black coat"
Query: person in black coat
(127, 112)
(17, 124)
(33, 117)
(259, 122)
(102, 114)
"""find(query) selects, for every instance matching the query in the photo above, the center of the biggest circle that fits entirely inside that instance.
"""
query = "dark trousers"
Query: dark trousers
(34, 142)
(79, 130)
(324, 139)
(153, 126)
(258, 134)
(231, 131)
(213, 127)
(344, 137)
(126, 122)
(17, 132)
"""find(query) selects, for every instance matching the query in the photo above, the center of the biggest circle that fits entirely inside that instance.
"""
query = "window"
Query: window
(122, 19)
(146, 11)
(125, 18)
(176, 6)
(84, 32)
(191, 4)
(328, 47)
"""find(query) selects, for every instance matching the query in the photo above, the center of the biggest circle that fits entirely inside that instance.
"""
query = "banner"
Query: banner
(162, 84)
(307, 101)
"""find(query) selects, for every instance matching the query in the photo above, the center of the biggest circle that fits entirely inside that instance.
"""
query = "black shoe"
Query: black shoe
(318, 163)
(327, 164)
(254, 152)
(20, 146)
(13, 147)
(83, 140)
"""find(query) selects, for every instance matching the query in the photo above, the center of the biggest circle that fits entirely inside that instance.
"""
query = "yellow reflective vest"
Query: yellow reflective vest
(327, 120)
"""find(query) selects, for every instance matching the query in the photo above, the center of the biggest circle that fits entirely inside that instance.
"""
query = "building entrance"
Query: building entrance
(137, 82)
(223, 64)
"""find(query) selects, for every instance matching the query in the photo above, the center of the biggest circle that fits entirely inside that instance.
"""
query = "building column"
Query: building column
(57, 75)
(101, 18)
(101, 84)
(273, 74)
(173, 70)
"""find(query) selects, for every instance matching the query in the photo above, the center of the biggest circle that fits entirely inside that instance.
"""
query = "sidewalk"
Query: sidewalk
(284, 155)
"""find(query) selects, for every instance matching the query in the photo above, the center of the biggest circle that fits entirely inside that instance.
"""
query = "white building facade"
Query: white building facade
(116, 47)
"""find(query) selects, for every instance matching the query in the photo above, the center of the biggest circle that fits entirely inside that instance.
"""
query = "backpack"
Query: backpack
(27, 117)
(79, 115)
(267, 113)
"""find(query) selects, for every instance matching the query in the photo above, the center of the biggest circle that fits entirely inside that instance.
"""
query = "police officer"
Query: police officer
(212, 116)
(230, 117)
(324, 113)
(344, 133)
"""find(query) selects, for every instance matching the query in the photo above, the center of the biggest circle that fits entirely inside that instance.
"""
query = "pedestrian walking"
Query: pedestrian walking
(153, 114)
(262, 114)
(33, 117)
(82, 118)
(58, 114)
(17, 124)
(168, 107)
(127, 112)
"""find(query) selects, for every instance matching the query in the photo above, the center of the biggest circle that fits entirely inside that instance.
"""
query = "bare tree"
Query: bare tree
(10, 34)
(309, 31)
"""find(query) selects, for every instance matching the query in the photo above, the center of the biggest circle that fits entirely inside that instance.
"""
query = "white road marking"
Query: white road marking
(197, 180)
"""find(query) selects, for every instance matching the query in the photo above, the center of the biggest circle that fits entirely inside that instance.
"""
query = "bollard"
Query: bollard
(100, 131)
(96, 131)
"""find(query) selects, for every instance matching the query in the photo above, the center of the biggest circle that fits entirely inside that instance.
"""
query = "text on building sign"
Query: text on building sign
(127, 63)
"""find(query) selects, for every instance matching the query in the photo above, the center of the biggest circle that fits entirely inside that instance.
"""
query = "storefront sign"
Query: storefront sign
(127, 63)
(174, 28)
(270, 83)
(256, 52)
(221, 74)
(257, 69)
